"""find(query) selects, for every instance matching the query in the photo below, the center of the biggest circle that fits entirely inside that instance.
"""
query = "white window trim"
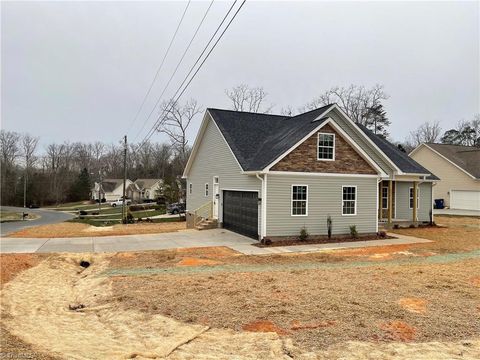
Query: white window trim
(411, 197)
(356, 196)
(190, 189)
(206, 190)
(216, 180)
(291, 201)
(384, 187)
(318, 145)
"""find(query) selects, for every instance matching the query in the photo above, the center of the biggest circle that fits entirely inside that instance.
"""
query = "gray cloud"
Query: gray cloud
(79, 70)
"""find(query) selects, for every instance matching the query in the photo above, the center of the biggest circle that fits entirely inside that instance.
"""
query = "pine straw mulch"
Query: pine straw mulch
(68, 229)
(11, 347)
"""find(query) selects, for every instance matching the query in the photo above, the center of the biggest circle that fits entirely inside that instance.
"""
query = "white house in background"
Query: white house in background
(459, 170)
(145, 189)
(110, 189)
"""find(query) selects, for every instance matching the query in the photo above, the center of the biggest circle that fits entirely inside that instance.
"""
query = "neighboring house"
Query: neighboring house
(269, 175)
(145, 189)
(459, 170)
(110, 189)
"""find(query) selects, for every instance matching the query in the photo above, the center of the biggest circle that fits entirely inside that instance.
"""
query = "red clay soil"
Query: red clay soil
(264, 326)
(476, 281)
(414, 305)
(397, 330)
(13, 264)
(191, 261)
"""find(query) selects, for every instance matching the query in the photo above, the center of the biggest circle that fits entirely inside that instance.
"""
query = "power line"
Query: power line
(176, 68)
(160, 119)
(160, 67)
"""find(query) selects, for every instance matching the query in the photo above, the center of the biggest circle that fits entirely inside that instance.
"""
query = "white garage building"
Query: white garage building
(458, 168)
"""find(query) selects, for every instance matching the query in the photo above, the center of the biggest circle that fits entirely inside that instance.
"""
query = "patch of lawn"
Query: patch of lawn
(9, 216)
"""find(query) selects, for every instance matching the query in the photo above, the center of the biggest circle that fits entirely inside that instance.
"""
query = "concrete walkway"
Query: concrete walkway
(174, 240)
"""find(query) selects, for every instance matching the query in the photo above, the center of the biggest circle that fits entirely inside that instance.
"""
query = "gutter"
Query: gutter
(263, 224)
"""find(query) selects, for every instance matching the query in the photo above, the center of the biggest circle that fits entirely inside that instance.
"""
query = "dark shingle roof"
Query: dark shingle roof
(111, 184)
(466, 157)
(404, 162)
(259, 139)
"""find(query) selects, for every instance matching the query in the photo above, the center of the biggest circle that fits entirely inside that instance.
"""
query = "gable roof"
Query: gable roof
(467, 158)
(111, 184)
(257, 140)
(146, 183)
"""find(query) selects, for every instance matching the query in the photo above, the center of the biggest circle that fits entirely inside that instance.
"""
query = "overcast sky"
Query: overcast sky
(78, 71)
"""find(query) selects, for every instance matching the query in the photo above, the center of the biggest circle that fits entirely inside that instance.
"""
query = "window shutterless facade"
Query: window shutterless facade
(299, 200)
(206, 189)
(190, 188)
(411, 198)
(349, 200)
(326, 146)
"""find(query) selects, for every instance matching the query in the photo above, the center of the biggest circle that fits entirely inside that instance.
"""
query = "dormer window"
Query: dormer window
(326, 146)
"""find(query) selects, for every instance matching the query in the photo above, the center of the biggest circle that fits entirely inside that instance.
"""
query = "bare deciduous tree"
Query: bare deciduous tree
(361, 104)
(428, 132)
(245, 98)
(175, 123)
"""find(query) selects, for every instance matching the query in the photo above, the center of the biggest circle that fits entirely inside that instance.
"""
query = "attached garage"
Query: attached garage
(240, 212)
(465, 199)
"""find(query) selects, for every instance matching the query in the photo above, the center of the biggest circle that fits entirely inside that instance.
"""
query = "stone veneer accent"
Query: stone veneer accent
(304, 158)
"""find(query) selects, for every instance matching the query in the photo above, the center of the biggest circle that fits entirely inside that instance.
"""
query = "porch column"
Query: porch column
(379, 192)
(390, 200)
(415, 190)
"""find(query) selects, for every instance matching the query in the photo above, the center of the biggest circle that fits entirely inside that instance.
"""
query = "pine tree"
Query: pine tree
(80, 189)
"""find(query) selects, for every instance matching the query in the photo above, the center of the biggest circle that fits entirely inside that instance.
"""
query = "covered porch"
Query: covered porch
(400, 201)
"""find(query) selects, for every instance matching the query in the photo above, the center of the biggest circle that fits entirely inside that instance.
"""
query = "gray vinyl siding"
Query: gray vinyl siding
(214, 158)
(402, 201)
(361, 141)
(324, 198)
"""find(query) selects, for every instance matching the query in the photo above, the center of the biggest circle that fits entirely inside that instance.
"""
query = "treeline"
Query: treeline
(65, 172)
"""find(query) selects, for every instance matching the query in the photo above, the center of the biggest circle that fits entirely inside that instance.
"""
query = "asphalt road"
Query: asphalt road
(46, 217)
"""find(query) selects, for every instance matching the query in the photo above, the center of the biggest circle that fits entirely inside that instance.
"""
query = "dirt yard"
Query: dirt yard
(12, 347)
(393, 302)
(70, 229)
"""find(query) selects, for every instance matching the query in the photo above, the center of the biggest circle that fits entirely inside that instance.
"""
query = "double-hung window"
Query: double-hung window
(326, 146)
(190, 188)
(349, 200)
(299, 200)
(411, 198)
(384, 197)
(206, 190)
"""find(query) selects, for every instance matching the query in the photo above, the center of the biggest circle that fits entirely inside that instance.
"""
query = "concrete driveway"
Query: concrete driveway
(177, 240)
(45, 217)
(457, 212)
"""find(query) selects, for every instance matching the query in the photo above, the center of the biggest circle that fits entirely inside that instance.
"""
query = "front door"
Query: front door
(216, 196)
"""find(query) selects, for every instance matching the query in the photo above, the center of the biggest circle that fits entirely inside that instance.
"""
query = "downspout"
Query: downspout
(263, 224)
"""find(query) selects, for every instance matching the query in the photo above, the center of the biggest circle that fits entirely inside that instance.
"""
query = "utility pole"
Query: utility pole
(25, 188)
(124, 212)
(99, 191)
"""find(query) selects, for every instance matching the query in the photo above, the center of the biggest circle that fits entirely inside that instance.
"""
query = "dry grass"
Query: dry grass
(458, 234)
(67, 229)
(356, 304)
(12, 347)
(317, 308)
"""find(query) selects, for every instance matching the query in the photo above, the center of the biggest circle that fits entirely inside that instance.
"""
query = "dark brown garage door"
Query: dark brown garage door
(240, 212)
